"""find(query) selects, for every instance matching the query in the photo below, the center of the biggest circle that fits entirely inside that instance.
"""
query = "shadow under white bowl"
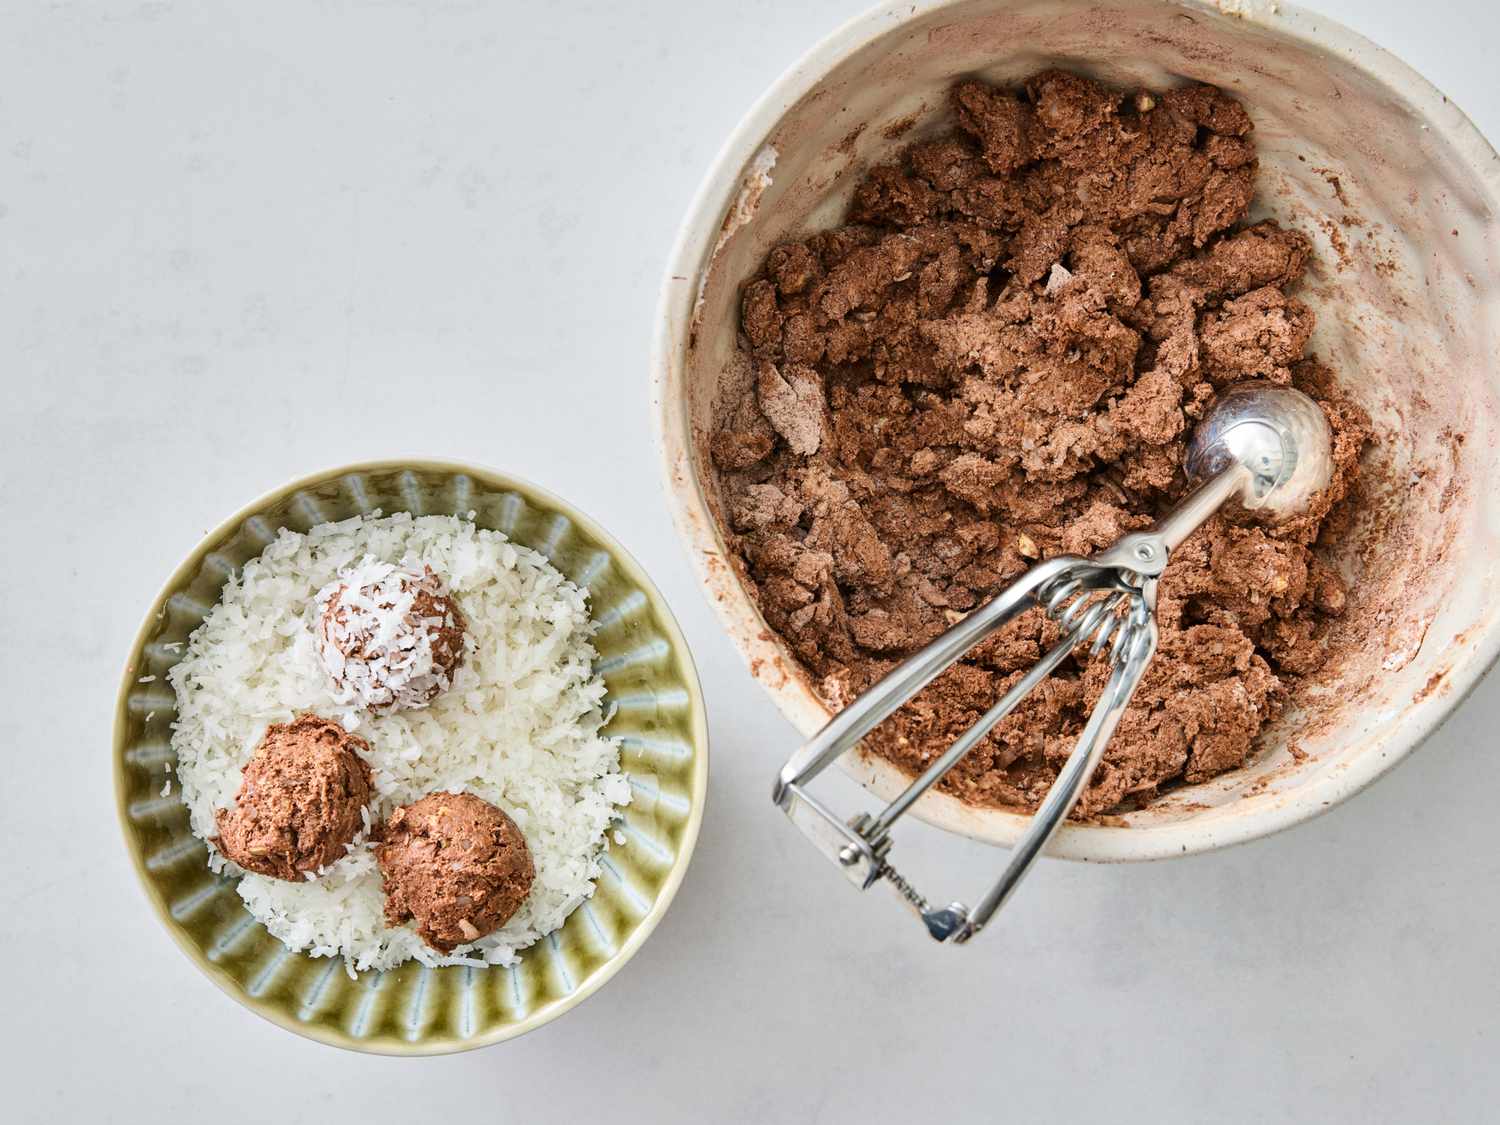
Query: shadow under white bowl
(1399, 193)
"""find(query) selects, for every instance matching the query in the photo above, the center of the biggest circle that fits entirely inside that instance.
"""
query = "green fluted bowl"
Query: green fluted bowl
(412, 1009)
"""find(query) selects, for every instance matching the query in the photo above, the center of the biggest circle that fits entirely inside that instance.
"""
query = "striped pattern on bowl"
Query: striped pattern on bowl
(658, 719)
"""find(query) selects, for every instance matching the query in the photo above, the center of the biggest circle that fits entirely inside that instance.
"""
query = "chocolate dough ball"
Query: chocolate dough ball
(456, 864)
(299, 801)
(390, 637)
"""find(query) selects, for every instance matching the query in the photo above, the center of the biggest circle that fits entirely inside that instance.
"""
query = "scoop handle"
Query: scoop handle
(1146, 552)
(1070, 783)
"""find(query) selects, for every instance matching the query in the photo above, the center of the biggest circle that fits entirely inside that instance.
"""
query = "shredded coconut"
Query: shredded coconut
(519, 726)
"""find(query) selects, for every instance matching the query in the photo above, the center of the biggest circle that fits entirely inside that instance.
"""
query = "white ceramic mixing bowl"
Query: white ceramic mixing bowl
(1398, 191)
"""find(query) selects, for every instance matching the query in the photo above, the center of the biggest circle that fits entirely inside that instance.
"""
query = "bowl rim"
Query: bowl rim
(688, 266)
(639, 933)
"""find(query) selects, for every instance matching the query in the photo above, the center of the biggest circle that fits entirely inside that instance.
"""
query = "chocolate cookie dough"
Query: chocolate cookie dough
(300, 800)
(456, 864)
(389, 637)
(998, 359)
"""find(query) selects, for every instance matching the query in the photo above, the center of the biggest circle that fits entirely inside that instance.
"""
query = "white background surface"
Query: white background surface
(239, 242)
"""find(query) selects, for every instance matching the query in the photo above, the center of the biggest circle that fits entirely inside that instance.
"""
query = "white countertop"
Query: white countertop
(230, 230)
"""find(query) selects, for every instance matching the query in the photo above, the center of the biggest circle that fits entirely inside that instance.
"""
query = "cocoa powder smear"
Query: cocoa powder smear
(1000, 358)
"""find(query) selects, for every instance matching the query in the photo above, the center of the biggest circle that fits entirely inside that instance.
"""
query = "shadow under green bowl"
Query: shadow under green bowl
(659, 721)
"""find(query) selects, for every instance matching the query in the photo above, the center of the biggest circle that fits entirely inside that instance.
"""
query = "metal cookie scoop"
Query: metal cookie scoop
(1266, 445)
